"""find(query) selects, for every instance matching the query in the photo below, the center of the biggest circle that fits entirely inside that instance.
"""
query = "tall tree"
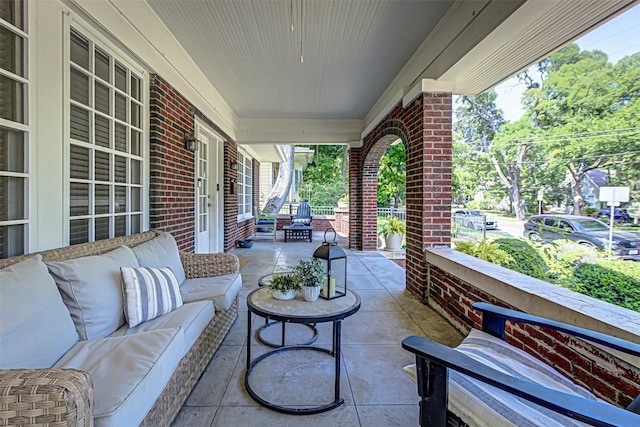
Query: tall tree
(280, 189)
(392, 180)
(478, 120)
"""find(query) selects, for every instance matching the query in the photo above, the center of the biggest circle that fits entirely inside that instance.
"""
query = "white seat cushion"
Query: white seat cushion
(192, 318)
(221, 289)
(128, 373)
(35, 326)
(482, 405)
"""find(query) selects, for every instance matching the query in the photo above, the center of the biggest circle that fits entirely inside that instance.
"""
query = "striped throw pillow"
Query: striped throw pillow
(149, 293)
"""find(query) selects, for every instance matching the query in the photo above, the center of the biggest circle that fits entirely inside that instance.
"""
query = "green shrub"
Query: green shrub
(485, 250)
(524, 258)
(617, 282)
(590, 211)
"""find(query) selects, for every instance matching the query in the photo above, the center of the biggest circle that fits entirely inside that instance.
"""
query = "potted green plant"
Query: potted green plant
(309, 273)
(393, 230)
(284, 286)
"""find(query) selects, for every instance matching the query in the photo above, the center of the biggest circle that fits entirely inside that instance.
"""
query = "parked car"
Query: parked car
(583, 230)
(475, 219)
(619, 215)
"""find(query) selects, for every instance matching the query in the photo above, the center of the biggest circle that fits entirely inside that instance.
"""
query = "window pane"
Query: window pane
(102, 228)
(79, 119)
(121, 169)
(78, 231)
(12, 99)
(121, 199)
(136, 199)
(121, 107)
(102, 98)
(102, 65)
(136, 224)
(12, 240)
(135, 143)
(136, 172)
(102, 199)
(13, 12)
(121, 226)
(135, 115)
(135, 88)
(11, 51)
(12, 198)
(102, 128)
(121, 137)
(79, 199)
(79, 50)
(102, 166)
(79, 162)
(79, 87)
(121, 77)
(12, 151)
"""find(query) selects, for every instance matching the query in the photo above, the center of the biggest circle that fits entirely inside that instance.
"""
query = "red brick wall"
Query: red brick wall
(607, 376)
(172, 168)
(424, 126)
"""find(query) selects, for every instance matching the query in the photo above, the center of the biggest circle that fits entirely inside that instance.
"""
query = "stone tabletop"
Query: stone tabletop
(262, 302)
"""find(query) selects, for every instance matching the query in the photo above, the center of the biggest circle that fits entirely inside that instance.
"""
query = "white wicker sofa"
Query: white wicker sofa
(64, 364)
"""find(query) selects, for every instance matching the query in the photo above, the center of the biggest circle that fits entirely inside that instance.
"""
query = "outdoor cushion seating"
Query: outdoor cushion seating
(72, 339)
(487, 382)
(303, 215)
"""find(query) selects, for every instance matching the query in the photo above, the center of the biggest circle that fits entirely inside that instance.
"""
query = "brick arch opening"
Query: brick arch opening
(424, 126)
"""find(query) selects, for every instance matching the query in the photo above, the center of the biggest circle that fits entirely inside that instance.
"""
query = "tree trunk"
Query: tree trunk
(511, 180)
(278, 194)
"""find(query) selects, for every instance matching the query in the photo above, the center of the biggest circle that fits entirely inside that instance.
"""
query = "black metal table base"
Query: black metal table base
(286, 409)
(268, 324)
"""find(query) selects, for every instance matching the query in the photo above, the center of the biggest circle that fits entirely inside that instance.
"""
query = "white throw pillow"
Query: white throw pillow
(149, 293)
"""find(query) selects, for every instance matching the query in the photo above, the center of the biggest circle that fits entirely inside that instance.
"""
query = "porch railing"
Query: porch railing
(292, 209)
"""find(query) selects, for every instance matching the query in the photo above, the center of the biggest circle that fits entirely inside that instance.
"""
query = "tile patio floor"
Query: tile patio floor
(376, 390)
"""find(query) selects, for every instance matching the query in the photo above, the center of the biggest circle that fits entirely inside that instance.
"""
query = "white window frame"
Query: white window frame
(245, 185)
(74, 24)
(23, 127)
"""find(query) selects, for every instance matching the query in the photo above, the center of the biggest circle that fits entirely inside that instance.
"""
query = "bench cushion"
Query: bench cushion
(36, 327)
(221, 289)
(479, 404)
(192, 318)
(91, 288)
(128, 373)
(161, 252)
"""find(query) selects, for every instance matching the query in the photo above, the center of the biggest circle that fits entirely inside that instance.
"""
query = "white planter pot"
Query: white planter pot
(311, 293)
(290, 294)
(393, 242)
(343, 205)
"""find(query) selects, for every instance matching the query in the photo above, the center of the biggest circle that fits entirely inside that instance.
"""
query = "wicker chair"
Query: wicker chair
(64, 397)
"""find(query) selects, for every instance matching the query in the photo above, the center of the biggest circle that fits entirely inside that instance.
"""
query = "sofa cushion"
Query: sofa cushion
(128, 373)
(479, 404)
(91, 288)
(192, 318)
(221, 289)
(149, 293)
(36, 328)
(159, 253)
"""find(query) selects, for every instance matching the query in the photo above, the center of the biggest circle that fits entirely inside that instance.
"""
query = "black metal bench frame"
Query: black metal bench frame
(433, 361)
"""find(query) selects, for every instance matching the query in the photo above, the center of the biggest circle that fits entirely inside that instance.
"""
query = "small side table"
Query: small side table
(298, 232)
(260, 302)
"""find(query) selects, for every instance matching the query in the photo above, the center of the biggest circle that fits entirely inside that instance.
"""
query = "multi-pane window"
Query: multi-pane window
(14, 130)
(106, 137)
(245, 186)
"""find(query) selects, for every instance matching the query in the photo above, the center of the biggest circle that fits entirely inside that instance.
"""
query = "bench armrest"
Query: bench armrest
(209, 265)
(433, 360)
(494, 317)
(45, 397)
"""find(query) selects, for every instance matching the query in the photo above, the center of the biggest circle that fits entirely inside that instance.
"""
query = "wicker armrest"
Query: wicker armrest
(46, 397)
(208, 265)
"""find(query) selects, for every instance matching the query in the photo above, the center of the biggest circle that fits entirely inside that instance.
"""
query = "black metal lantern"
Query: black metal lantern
(334, 261)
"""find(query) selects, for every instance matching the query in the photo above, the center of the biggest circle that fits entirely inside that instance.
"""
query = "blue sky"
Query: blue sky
(617, 38)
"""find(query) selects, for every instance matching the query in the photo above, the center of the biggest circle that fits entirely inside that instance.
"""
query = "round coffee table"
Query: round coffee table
(262, 303)
(266, 281)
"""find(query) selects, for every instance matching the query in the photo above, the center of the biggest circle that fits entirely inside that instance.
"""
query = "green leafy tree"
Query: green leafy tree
(392, 180)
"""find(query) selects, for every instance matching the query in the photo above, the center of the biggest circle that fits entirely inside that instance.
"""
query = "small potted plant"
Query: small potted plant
(343, 202)
(393, 230)
(309, 274)
(284, 286)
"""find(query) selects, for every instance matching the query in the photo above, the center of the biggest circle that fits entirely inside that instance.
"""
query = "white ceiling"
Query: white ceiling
(361, 56)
